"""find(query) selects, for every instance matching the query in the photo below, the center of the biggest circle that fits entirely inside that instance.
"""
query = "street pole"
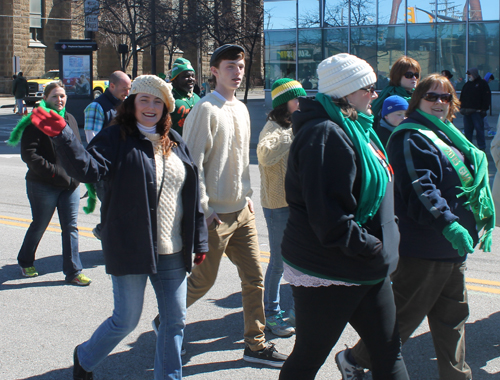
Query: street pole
(153, 37)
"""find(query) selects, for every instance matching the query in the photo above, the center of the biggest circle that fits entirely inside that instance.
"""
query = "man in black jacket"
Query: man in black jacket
(475, 102)
(20, 89)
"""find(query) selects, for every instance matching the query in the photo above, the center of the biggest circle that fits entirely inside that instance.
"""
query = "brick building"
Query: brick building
(30, 28)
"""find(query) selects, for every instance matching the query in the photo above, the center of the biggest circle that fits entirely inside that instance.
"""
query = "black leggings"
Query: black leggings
(322, 314)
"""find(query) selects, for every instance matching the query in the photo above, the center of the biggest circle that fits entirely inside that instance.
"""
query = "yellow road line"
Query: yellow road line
(482, 282)
(56, 228)
(484, 290)
(265, 256)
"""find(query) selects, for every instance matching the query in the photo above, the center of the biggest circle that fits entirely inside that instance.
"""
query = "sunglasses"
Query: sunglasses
(409, 75)
(433, 97)
(369, 89)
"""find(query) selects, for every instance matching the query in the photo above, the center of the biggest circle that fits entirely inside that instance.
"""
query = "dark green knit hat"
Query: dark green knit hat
(286, 89)
(180, 65)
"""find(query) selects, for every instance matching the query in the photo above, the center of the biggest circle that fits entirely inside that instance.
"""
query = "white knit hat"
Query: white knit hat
(153, 85)
(342, 74)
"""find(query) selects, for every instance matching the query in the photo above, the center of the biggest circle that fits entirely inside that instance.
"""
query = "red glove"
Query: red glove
(199, 257)
(49, 123)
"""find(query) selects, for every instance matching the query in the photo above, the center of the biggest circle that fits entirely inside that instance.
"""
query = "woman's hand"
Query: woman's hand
(459, 238)
(49, 123)
(199, 257)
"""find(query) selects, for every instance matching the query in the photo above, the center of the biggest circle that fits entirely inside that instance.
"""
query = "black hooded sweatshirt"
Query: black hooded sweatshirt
(322, 190)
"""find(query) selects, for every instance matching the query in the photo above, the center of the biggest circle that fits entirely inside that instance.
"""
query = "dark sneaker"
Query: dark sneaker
(348, 370)
(156, 325)
(269, 356)
(78, 372)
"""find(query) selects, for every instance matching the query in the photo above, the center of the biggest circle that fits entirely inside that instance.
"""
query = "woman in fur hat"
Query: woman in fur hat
(151, 218)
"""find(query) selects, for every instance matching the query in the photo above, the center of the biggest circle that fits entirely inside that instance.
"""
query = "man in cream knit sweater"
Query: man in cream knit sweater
(217, 133)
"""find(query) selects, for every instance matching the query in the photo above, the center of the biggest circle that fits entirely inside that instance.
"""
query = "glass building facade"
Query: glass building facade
(441, 35)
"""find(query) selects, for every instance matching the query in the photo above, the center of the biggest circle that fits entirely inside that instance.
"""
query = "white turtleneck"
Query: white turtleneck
(169, 214)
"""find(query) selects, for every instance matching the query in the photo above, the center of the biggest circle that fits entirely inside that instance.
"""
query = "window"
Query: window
(36, 24)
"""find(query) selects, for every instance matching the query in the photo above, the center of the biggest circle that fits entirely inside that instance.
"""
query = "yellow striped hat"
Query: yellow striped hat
(286, 89)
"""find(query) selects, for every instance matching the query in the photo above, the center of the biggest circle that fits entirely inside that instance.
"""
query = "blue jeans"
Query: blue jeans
(43, 200)
(475, 121)
(170, 287)
(276, 222)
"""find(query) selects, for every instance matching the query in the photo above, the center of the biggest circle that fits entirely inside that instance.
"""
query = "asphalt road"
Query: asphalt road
(43, 319)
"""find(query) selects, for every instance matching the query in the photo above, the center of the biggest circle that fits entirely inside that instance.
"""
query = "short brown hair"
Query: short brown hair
(425, 85)
(230, 55)
(47, 90)
(400, 67)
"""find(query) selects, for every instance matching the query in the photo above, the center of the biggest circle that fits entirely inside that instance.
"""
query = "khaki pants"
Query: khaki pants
(437, 290)
(237, 238)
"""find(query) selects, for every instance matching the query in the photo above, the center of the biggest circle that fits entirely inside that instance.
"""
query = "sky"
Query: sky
(283, 12)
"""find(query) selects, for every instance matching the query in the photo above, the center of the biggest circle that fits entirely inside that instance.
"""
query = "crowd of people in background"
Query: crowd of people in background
(373, 202)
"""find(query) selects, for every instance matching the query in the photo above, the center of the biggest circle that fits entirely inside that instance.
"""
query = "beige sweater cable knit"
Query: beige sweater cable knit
(272, 152)
(217, 134)
(170, 211)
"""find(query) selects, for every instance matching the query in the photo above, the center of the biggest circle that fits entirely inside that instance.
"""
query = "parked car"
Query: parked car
(36, 86)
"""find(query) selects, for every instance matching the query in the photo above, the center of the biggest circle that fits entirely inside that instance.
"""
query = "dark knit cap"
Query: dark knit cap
(286, 89)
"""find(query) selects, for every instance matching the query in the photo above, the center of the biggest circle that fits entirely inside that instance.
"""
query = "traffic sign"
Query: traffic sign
(92, 23)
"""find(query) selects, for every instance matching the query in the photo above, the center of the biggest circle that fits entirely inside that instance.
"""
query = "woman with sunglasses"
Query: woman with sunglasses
(404, 77)
(442, 199)
(337, 254)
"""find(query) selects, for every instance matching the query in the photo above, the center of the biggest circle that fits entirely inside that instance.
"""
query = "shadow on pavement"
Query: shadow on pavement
(46, 265)
(482, 345)
(137, 363)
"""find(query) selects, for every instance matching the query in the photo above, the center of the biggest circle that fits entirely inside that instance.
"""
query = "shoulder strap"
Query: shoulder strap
(463, 172)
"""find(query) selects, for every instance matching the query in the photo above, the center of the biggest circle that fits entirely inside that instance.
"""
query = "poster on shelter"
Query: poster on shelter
(76, 74)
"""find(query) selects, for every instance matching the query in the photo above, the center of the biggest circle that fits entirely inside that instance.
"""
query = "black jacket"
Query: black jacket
(426, 201)
(109, 104)
(476, 95)
(39, 153)
(20, 87)
(129, 207)
(322, 190)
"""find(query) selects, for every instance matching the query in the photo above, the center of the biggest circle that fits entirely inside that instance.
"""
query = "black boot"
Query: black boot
(78, 372)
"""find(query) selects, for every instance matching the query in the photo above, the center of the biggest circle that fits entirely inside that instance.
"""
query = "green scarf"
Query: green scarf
(388, 91)
(478, 194)
(17, 132)
(374, 177)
